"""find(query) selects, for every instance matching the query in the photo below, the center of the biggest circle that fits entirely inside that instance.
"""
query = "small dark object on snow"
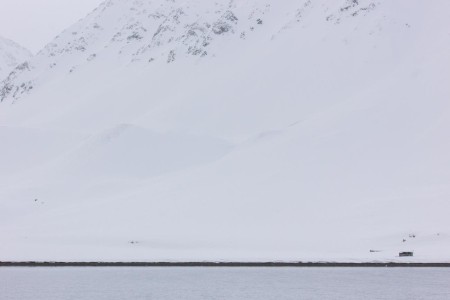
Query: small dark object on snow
(374, 251)
(403, 254)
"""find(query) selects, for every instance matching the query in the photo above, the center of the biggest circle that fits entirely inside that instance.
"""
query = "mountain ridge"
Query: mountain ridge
(150, 30)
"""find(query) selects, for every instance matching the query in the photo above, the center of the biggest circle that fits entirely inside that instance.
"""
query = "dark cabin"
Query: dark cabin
(403, 254)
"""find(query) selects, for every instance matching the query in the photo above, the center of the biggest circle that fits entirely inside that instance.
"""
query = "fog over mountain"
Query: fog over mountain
(166, 130)
(11, 55)
(34, 23)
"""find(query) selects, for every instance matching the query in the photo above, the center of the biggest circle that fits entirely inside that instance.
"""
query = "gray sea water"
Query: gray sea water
(223, 283)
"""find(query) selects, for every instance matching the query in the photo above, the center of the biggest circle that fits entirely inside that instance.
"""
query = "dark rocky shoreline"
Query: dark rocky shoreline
(219, 264)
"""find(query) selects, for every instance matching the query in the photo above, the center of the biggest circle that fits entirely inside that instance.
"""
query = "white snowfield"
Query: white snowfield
(248, 130)
(11, 55)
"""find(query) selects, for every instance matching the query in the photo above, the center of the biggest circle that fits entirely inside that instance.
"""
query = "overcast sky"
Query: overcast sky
(34, 23)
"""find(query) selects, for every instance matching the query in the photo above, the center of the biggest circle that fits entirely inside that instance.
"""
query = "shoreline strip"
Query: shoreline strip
(221, 264)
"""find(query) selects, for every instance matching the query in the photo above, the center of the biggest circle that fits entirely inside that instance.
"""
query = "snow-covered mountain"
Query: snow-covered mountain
(11, 55)
(232, 130)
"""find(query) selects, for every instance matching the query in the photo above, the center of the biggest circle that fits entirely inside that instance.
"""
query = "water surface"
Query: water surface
(199, 283)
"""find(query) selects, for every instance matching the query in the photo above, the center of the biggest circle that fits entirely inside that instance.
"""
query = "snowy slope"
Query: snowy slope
(232, 130)
(11, 55)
